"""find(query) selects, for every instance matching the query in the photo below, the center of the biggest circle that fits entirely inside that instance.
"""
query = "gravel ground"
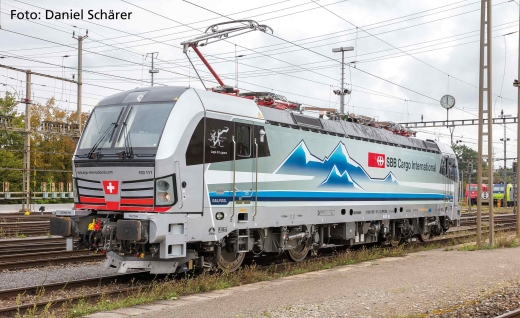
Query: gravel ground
(52, 274)
(498, 302)
(438, 283)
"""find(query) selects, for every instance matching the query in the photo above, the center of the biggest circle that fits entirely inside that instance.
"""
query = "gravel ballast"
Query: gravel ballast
(52, 274)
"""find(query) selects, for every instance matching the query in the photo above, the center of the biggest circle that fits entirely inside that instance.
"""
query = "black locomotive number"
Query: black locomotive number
(391, 162)
(145, 172)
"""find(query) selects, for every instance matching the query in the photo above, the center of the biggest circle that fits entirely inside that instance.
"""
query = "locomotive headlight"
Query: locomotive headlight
(162, 185)
(163, 196)
(219, 216)
(165, 191)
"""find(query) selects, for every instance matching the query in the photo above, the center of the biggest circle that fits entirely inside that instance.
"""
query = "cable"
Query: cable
(287, 42)
(293, 76)
(424, 95)
(435, 68)
(151, 39)
(112, 57)
(178, 26)
(503, 74)
(177, 22)
(358, 69)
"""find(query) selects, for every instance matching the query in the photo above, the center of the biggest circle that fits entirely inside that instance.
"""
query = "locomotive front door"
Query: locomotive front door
(244, 156)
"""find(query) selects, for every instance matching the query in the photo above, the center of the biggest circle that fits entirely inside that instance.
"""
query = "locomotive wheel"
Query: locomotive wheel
(424, 237)
(230, 261)
(395, 241)
(298, 254)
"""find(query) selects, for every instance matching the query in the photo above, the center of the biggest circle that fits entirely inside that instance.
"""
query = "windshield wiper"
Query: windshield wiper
(128, 152)
(110, 130)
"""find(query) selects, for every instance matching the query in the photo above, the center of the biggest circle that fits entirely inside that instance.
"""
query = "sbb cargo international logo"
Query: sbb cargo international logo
(376, 160)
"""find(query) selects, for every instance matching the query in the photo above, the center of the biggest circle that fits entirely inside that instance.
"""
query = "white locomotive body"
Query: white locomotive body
(167, 178)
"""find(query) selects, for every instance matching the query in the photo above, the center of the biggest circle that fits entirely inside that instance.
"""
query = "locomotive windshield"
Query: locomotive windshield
(103, 121)
(498, 188)
(140, 125)
(143, 125)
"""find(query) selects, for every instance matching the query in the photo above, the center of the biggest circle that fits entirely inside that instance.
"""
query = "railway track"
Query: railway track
(145, 278)
(499, 218)
(20, 217)
(17, 261)
(27, 224)
(68, 286)
(27, 227)
(511, 314)
(31, 245)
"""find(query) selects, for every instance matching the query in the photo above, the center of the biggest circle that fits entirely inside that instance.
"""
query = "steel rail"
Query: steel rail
(33, 290)
(21, 309)
(510, 314)
(27, 224)
(30, 241)
(8, 250)
(67, 285)
(47, 258)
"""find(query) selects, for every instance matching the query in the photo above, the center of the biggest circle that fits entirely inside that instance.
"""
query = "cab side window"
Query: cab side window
(243, 140)
(449, 168)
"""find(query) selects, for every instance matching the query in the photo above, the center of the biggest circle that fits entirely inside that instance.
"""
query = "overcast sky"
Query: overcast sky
(441, 36)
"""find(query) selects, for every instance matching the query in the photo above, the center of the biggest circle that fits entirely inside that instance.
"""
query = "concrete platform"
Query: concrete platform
(418, 283)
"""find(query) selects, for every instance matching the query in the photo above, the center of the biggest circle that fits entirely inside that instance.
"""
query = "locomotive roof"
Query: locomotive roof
(289, 119)
(347, 129)
(150, 94)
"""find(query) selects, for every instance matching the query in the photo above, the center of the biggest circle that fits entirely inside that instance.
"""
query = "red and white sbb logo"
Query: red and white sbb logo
(376, 160)
(111, 187)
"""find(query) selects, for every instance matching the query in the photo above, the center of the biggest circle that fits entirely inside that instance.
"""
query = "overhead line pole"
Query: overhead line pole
(26, 182)
(153, 70)
(481, 112)
(342, 105)
(26, 170)
(489, 45)
(38, 74)
(517, 197)
(80, 75)
(505, 140)
(342, 90)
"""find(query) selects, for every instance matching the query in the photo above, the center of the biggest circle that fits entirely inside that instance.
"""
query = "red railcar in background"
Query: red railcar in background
(472, 192)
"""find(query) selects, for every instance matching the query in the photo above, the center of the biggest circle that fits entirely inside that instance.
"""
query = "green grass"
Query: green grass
(205, 282)
(502, 240)
(19, 235)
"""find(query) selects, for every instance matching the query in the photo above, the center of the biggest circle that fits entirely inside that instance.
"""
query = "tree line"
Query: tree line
(51, 153)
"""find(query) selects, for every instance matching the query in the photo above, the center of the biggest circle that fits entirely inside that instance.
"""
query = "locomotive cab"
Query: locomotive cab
(138, 173)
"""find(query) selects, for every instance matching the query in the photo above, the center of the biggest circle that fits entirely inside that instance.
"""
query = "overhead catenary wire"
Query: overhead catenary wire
(322, 54)
(123, 60)
(461, 1)
(152, 39)
(287, 42)
(200, 21)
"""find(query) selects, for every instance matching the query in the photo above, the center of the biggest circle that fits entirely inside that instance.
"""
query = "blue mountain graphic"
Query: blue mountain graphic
(390, 178)
(338, 165)
(335, 179)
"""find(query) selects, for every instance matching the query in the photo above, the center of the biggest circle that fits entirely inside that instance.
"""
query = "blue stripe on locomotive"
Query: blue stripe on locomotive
(225, 198)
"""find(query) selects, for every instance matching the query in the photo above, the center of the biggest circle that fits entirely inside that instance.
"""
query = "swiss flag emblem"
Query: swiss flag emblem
(111, 187)
(376, 160)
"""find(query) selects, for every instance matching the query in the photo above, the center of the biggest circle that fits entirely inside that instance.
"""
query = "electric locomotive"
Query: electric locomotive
(174, 178)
